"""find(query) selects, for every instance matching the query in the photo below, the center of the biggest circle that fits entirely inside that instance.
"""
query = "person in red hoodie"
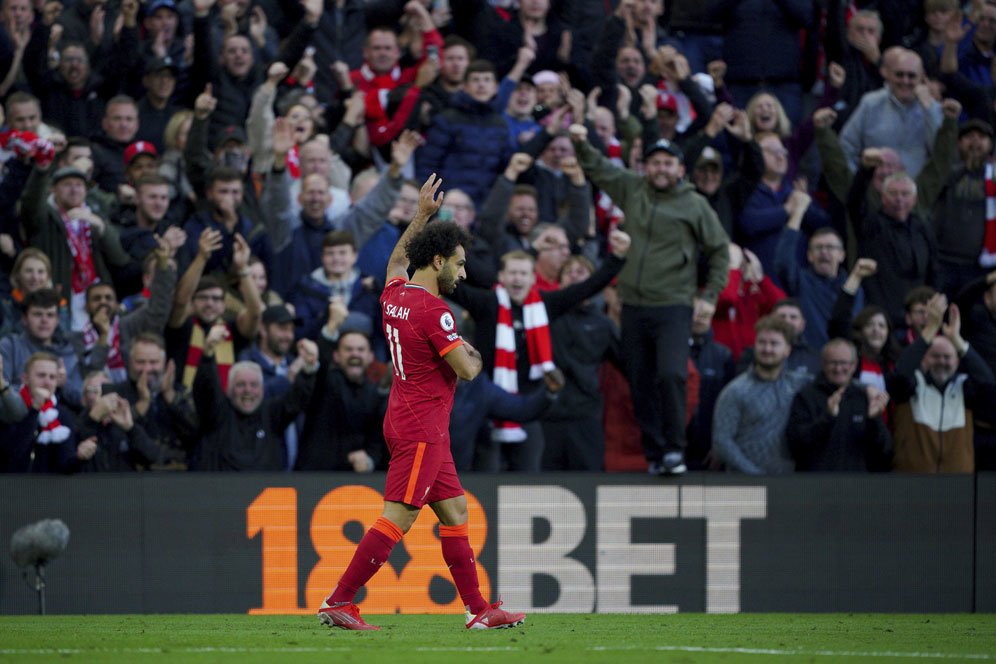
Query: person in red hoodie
(749, 295)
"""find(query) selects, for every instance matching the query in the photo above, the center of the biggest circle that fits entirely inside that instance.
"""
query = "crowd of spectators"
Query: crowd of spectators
(751, 235)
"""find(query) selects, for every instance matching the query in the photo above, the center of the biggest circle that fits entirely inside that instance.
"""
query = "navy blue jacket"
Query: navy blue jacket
(221, 260)
(300, 257)
(20, 454)
(778, 23)
(311, 304)
(467, 145)
(476, 401)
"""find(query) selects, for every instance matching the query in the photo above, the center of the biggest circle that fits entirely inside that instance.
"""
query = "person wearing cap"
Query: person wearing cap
(82, 246)
(272, 352)
(670, 225)
(272, 349)
(141, 159)
(156, 107)
(707, 176)
(118, 129)
(164, 40)
(522, 125)
(964, 234)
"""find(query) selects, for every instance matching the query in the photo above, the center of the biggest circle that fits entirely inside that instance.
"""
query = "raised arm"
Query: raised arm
(428, 204)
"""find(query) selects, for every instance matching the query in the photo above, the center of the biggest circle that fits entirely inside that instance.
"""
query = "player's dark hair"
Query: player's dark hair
(440, 238)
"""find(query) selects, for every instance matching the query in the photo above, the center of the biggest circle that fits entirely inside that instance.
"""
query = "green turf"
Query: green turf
(553, 638)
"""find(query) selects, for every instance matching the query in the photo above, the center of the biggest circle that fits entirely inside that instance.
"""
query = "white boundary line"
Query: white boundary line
(796, 653)
(469, 649)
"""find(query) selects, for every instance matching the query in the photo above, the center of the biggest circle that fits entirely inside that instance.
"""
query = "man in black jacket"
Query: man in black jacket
(343, 428)
(836, 423)
(582, 338)
(241, 430)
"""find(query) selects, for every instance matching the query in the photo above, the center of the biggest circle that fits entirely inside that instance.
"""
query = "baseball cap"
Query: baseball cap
(231, 133)
(139, 148)
(155, 5)
(546, 76)
(663, 145)
(278, 313)
(67, 172)
(153, 65)
(709, 156)
(975, 124)
(667, 101)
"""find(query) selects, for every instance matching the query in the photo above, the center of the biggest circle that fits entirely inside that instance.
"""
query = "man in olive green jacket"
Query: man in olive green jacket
(45, 219)
(668, 222)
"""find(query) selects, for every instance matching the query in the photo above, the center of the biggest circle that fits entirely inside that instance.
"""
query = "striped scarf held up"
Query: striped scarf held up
(538, 345)
(987, 258)
(224, 355)
(50, 430)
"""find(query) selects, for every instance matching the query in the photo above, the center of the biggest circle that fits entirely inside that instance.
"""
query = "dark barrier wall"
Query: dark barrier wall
(579, 543)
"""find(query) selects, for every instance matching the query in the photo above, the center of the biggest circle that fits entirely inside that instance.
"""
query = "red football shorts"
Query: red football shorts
(420, 473)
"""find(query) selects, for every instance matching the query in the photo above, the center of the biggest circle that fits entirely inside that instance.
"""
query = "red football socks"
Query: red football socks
(371, 553)
(460, 559)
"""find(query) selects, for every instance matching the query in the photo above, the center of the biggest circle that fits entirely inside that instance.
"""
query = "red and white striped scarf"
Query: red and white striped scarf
(115, 366)
(608, 215)
(294, 162)
(79, 239)
(538, 345)
(987, 258)
(50, 430)
(871, 374)
(614, 152)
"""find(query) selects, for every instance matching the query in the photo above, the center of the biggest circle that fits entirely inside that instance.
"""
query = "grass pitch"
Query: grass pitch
(546, 638)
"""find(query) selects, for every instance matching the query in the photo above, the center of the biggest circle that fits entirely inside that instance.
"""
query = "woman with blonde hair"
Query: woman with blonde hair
(172, 167)
(32, 271)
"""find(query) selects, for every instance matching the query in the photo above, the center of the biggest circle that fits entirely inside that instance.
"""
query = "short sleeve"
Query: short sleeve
(440, 329)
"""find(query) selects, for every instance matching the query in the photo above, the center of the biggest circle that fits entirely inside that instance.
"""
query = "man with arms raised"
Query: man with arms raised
(429, 356)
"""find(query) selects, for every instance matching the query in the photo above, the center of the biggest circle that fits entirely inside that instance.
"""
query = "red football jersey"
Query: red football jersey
(420, 331)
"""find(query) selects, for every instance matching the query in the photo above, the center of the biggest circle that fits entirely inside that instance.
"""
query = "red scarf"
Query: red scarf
(115, 362)
(224, 354)
(78, 237)
(872, 374)
(987, 258)
(50, 430)
(538, 345)
(294, 162)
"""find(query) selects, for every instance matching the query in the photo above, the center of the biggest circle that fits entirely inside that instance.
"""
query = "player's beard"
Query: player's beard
(447, 282)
